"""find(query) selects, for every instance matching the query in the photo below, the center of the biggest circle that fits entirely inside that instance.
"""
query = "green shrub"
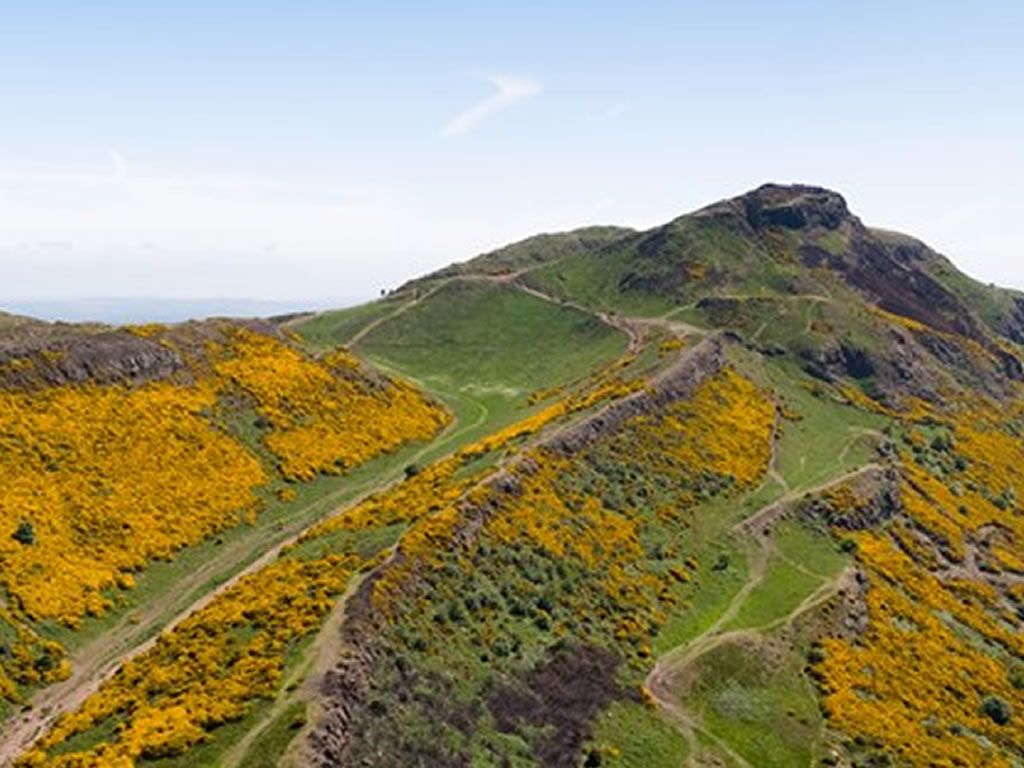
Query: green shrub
(997, 710)
(25, 534)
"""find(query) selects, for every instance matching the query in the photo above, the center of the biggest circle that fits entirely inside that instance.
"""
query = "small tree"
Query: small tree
(996, 710)
(25, 534)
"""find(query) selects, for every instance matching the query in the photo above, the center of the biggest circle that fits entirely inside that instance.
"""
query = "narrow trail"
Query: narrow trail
(624, 324)
(315, 663)
(664, 681)
(420, 297)
(666, 678)
(770, 512)
(370, 327)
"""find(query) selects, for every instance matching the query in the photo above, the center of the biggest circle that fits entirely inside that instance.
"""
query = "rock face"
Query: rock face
(36, 354)
(345, 685)
(867, 501)
(795, 207)
(791, 207)
(71, 357)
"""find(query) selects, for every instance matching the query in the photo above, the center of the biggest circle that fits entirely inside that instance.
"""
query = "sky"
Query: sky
(301, 150)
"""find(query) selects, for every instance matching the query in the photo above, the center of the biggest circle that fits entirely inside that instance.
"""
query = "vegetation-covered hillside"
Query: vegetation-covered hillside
(741, 490)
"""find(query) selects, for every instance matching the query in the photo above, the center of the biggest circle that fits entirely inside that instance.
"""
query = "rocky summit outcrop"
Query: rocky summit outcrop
(796, 206)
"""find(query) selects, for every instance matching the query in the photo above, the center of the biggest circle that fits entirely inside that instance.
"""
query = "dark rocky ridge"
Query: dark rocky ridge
(890, 276)
(68, 355)
(797, 206)
(35, 354)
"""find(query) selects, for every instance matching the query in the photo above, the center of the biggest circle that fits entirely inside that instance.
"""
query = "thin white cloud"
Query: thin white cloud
(508, 91)
(118, 162)
(612, 112)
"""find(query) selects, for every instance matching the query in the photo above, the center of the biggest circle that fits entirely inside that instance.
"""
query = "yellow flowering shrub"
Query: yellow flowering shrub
(724, 429)
(945, 622)
(104, 479)
(28, 658)
(325, 415)
(206, 671)
(913, 684)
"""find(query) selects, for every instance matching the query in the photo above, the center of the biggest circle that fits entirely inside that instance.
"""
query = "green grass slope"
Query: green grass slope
(492, 337)
(481, 346)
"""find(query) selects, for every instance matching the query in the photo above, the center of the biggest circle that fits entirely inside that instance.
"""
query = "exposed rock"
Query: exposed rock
(867, 501)
(676, 383)
(796, 206)
(75, 358)
(35, 354)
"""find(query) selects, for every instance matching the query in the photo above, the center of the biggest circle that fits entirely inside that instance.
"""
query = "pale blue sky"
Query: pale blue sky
(320, 149)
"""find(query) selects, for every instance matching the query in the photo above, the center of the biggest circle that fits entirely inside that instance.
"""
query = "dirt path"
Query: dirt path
(315, 663)
(665, 679)
(93, 664)
(627, 325)
(671, 669)
(769, 513)
(402, 309)
(661, 681)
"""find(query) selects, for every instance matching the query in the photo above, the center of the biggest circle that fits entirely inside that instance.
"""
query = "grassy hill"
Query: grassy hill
(739, 490)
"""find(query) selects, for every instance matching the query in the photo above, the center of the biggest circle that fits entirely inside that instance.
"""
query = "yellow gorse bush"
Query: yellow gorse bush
(100, 480)
(109, 478)
(325, 415)
(944, 623)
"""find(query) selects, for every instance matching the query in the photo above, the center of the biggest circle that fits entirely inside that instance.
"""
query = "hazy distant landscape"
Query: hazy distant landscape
(124, 310)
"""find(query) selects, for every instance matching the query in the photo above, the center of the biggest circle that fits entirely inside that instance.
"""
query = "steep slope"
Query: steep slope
(739, 490)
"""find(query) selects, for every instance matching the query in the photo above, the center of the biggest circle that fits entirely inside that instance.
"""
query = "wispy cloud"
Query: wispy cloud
(612, 112)
(118, 163)
(508, 91)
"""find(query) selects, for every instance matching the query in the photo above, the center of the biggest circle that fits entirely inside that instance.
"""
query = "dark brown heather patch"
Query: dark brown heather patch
(562, 695)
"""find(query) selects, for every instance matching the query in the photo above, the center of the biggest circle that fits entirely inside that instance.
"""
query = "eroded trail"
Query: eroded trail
(769, 513)
(666, 681)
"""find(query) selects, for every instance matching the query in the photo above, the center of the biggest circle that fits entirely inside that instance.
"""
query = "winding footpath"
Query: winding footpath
(666, 680)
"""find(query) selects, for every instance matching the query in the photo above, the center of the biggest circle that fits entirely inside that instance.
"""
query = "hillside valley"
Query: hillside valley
(744, 489)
